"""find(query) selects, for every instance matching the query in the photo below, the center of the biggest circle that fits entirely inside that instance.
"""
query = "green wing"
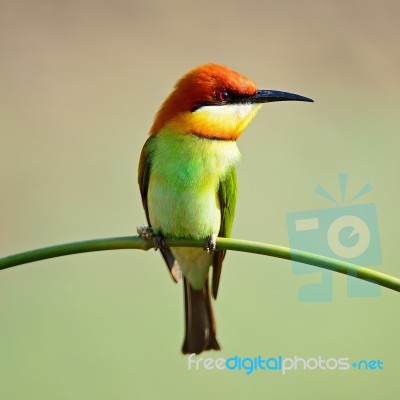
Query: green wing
(144, 173)
(227, 193)
(143, 180)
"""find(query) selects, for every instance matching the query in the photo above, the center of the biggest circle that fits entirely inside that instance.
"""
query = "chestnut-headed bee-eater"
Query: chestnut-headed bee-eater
(187, 181)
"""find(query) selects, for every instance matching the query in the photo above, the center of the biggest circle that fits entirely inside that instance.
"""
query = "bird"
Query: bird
(188, 185)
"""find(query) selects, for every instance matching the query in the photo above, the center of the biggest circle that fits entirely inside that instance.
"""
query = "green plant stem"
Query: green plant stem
(136, 242)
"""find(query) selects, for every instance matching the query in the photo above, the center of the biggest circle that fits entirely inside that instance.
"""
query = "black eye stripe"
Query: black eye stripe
(234, 99)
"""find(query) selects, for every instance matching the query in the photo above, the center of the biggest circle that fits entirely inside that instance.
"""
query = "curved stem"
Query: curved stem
(136, 242)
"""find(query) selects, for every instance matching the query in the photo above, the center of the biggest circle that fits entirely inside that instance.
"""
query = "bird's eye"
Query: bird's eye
(223, 96)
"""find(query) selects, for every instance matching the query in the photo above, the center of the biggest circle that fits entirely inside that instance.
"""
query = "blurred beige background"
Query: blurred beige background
(80, 82)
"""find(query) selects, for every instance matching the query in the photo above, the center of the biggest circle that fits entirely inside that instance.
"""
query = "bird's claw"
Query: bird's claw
(147, 233)
(211, 244)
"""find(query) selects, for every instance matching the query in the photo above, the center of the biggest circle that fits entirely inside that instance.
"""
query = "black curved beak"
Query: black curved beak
(267, 96)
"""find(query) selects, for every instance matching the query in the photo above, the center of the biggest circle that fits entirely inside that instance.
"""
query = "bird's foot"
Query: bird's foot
(211, 244)
(147, 233)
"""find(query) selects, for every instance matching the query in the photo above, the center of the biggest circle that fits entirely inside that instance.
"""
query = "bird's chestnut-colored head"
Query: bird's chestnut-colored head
(215, 102)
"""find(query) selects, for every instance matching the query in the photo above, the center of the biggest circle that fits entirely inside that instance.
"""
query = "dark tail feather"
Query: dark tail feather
(171, 265)
(199, 318)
